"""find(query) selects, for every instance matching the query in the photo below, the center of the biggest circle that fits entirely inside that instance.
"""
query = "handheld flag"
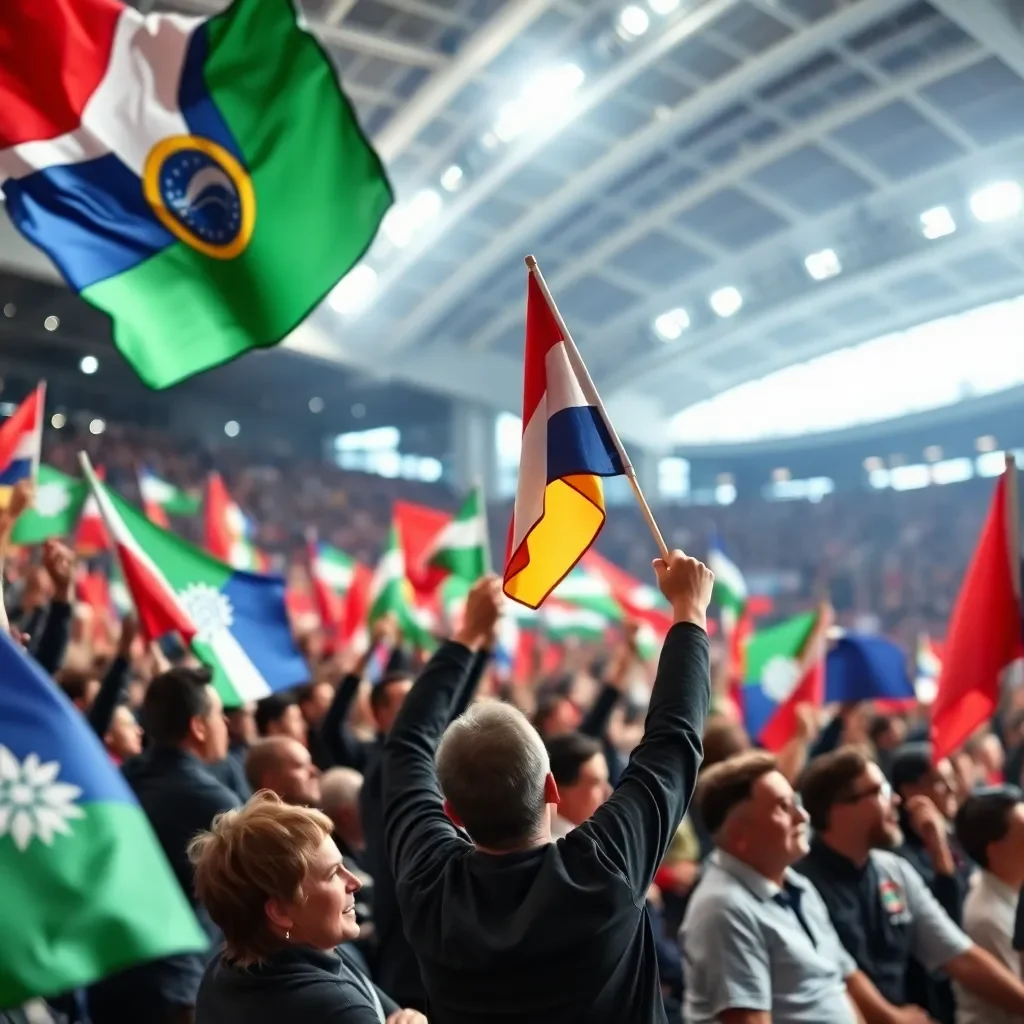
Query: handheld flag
(163, 164)
(161, 499)
(462, 547)
(21, 438)
(730, 592)
(74, 846)
(228, 529)
(418, 527)
(985, 628)
(56, 506)
(90, 534)
(568, 446)
(235, 622)
(861, 667)
(391, 593)
(784, 667)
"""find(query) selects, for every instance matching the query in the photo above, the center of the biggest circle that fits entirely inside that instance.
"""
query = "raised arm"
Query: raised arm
(637, 823)
(413, 806)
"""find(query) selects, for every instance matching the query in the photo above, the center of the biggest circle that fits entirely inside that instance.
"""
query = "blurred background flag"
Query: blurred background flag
(861, 667)
(21, 438)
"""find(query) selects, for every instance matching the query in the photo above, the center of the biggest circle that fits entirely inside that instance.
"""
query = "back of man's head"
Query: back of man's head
(568, 753)
(172, 700)
(492, 768)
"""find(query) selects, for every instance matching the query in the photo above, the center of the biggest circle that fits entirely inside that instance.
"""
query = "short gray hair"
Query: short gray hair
(340, 788)
(492, 766)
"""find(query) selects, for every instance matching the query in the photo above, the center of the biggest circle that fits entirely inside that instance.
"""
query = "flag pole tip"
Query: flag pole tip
(531, 262)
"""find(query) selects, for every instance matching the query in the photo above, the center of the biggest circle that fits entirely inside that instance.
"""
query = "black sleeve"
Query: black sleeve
(54, 641)
(949, 891)
(110, 692)
(346, 750)
(467, 691)
(416, 824)
(828, 739)
(636, 824)
(595, 722)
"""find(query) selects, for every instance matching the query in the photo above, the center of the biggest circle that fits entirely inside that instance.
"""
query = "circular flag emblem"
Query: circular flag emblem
(201, 194)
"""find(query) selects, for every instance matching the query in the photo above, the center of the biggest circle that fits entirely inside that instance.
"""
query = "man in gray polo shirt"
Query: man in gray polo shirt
(758, 946)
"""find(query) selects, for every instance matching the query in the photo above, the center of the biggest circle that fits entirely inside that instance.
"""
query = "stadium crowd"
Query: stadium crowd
(425, 840)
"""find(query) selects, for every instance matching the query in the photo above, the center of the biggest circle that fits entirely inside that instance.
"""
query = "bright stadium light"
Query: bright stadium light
(451, 180)
(823, 265)
(663, 7)
(633, 21)
(999, 201)
(355, 291)
(58, 420)
(726, 302)
(669, 326)
(544, 99)
(231, 428)
(97, 426)
(10, 309)
(937, 223)
(51, 323)
(316, 404)
(89, 365)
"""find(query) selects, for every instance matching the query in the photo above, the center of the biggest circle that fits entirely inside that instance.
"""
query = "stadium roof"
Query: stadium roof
(715, 189)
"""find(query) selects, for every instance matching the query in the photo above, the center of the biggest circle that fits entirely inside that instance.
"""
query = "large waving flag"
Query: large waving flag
(75, 848)
(784, 666)
(568, 445)
(985, 628)
(462, 547)
(164, 165)
(21, 438)
(235, 622)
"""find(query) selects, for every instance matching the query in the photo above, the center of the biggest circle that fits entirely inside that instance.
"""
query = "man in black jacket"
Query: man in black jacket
(511, 924)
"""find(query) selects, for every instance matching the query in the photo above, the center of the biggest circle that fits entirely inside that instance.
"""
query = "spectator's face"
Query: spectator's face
(772, 826)
(294, 777)
(242, 724)
(124, 737)
(316, 707)
(870, 809)
(214, 732)
(563, 717)
(939, 785)
(324, 915)
(290, 724)
(391, 703)
(579, 801)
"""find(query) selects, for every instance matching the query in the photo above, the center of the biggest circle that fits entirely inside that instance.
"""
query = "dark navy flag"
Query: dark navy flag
(862, 667)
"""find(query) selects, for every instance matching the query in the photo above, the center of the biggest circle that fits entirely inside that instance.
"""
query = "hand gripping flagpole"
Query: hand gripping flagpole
(581, 371)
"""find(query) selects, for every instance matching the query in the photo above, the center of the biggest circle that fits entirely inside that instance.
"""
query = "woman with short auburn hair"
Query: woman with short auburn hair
(273, 881)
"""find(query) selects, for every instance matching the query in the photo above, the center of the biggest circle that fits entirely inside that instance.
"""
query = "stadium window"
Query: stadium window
(952, 471)
(910, 478)
(812, 489)
(508, 444)
(674, 477)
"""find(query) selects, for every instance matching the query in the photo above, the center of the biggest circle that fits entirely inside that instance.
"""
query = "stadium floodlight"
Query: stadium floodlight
(633, 21)
(451, 180)
(937, 223)
(355, 291)
(316, 404)
(987, 443)
(544, 99)
(51, 323)
(89, 365)
(823, 264)
(663, 7)
(231, 428)
(726, 302)
(999, 201)
(58, 420)
(97, 426)
(669, 326)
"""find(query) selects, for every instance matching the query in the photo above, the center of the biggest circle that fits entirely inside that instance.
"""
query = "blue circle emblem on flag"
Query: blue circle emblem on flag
(201, 194)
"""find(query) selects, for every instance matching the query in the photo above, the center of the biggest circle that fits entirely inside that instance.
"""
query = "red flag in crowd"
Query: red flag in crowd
(418, 526)
(984, 636)
(91, 536)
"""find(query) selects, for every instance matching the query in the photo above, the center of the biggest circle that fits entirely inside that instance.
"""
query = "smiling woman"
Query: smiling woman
(272, 879)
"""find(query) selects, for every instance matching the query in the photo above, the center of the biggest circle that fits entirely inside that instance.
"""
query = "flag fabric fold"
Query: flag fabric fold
(861, 667)
(235, 622)
(228, 529)
(567, 448)
(161, 499)
(163, 164)
(21, 438)
(461, 547)
(985, 628)
(75, 848)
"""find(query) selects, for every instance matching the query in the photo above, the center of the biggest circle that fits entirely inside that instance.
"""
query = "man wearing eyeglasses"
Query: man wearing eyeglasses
(880, 907)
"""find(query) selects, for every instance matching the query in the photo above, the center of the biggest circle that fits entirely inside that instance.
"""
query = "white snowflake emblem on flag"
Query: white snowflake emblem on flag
(779, 678)
(51, 499)
(33, 804)
(209, 609)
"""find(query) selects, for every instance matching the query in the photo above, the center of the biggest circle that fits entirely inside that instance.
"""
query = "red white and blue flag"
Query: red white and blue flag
(21, 438)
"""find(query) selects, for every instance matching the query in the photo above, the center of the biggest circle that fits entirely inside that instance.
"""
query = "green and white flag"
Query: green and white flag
(334, 568)
(391, 594)
(589, 591)
(565, 622)
(173, 500)
(462, 548)
(58, 502)
(730, 593)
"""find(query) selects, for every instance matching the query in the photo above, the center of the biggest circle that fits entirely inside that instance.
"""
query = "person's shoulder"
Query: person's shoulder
(891, 864)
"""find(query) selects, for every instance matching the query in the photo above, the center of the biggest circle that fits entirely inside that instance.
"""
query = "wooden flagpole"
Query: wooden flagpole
(592, 395)
(1013, 521)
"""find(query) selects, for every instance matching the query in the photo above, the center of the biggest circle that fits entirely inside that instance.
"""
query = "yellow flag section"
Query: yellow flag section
(568, 446)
